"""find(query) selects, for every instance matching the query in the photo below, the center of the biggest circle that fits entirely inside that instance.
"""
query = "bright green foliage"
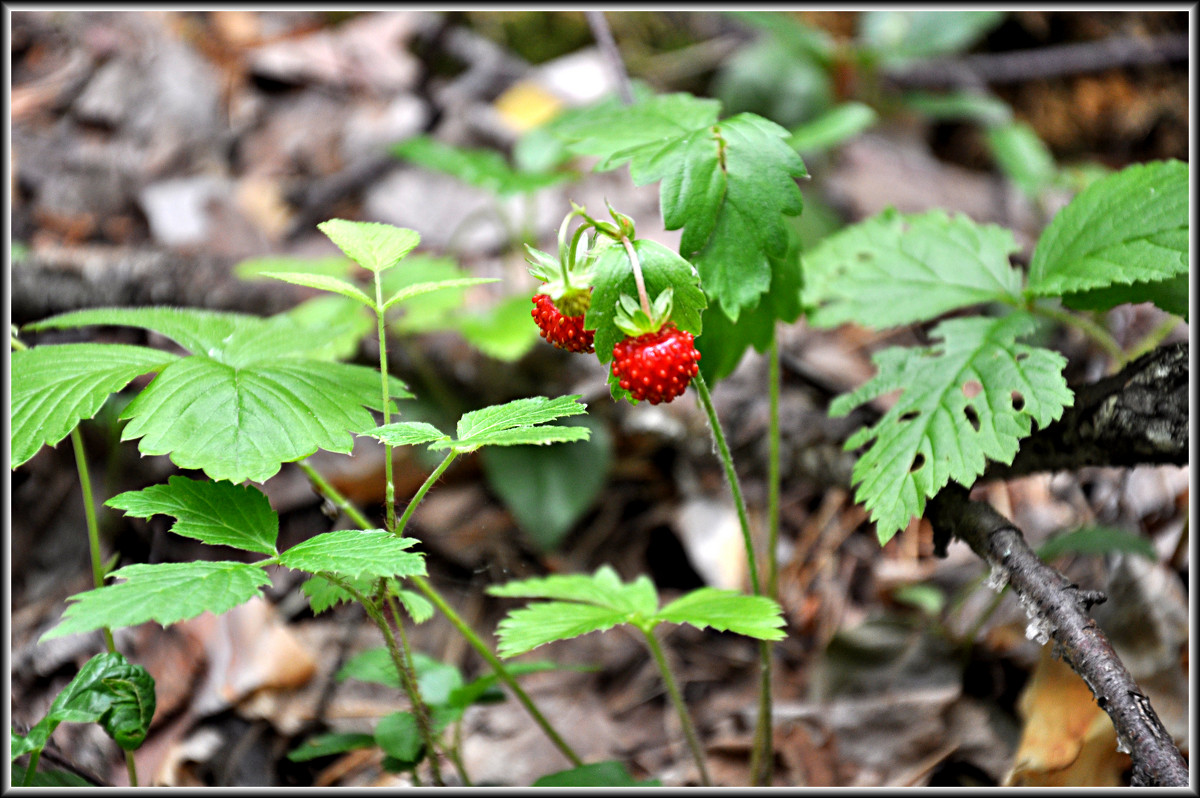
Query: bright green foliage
(935, 432)
(580, 604)
(610, 773)
(1023, 156)
(356, 554)
(520, 422)
(330, 744)
(398, 735)
(662, 269)
(323, 594)
(419, 289)
(727, 184)
(898, 36)
(374, 246)
(255, 268)
(108, 690)
(960, 105)
(895, 269)
(1171, 295)
(48, 778)
(548, 490)
(325, 282)
(54, 387)
(485, 169)
(501, 331)
(257, 392)
(333, 312)
(838, 124)
(1129, 227)
(165, 592)
(216, 513)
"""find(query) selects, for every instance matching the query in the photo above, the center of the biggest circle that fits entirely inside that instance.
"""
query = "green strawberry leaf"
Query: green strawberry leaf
(603, 589)
(165, 592)
(662, 269)
(616, 133)
(1128, 227)
(1171, 295)
(324, 282)
(434, 311)
(1023, 156)
(112, 692)
(374, 246)
(400, 738)
(484, 169)
(407, 433)
(55, 387)
(334, 314)
(511, 424)
(326, 591)
(935, 432)
(356, 554)
(527, 628)
(216, 513)
(895, 269)
(727, 611)
(199, 331)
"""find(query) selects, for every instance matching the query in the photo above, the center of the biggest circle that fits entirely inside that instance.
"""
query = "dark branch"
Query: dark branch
(1136, 417)
(1060, 609)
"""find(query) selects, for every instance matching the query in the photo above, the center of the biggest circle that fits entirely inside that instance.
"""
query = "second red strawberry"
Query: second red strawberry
(656, 366)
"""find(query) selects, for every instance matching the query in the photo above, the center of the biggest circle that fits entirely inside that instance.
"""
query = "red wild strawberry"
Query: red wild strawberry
(565, 332)
(656, 366)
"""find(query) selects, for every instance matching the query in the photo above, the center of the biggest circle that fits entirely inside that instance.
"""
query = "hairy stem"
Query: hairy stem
(389, 483)
(420, 708)
(685, 718)
(346, 506)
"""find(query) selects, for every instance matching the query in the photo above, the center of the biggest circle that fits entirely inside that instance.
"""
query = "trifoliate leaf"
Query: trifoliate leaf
(484, 169)
(242, 423)
(729, 187)
(1128, 227)
(662, 269)
(325, 282)
(356, 554)
(895, 269)
(165, 592)
(966, 400)
(727, 611)
(55, 387)
(216, 513)
(372, 245)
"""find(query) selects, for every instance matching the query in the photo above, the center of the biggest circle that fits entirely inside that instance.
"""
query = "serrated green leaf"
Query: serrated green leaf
(617, 133)
(55, 387)
(603, 588)
(356, 554)
(242, 423)
(112, 692)
(485, 169)
(596, 774)
(194, 329)
(416, 605)
(216, 513)
(1097, 540)
(518, 413)
(934, 432)
(1170, 295)
(329, 745)
(729, 188)
(344, 318)
(164, 592)
(526, 628)
(1128, 227)
(324, 594)
(324, 282)
(522, 436)
(838, 124)
(372, 245)
(400, 738)
(727, 611)
(613, 276)
(418, 289)
(406, 433)
(895, 269)
(548, 491)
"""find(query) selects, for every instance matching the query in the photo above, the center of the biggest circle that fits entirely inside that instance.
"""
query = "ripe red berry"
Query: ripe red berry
(565, 332)
(656, 366)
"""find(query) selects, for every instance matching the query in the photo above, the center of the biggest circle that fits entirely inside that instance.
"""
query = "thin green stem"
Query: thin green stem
(456, 621)
(685, 719)
(31, 769)
(643, 297)
(420, 709)
(1153, 338)
(455, 754)
(1091, 329)
(774, 378)
(390, 485)
(731, 476)
(421, 491)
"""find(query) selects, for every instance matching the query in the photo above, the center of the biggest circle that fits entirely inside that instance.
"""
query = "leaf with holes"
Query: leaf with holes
(895, 269)
(969, 399)
(216, 513)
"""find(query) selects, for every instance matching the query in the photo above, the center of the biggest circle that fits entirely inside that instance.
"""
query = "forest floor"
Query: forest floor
(154, 150)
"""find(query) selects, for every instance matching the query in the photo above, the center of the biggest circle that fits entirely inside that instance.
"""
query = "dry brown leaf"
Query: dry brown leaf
(1068, 740)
